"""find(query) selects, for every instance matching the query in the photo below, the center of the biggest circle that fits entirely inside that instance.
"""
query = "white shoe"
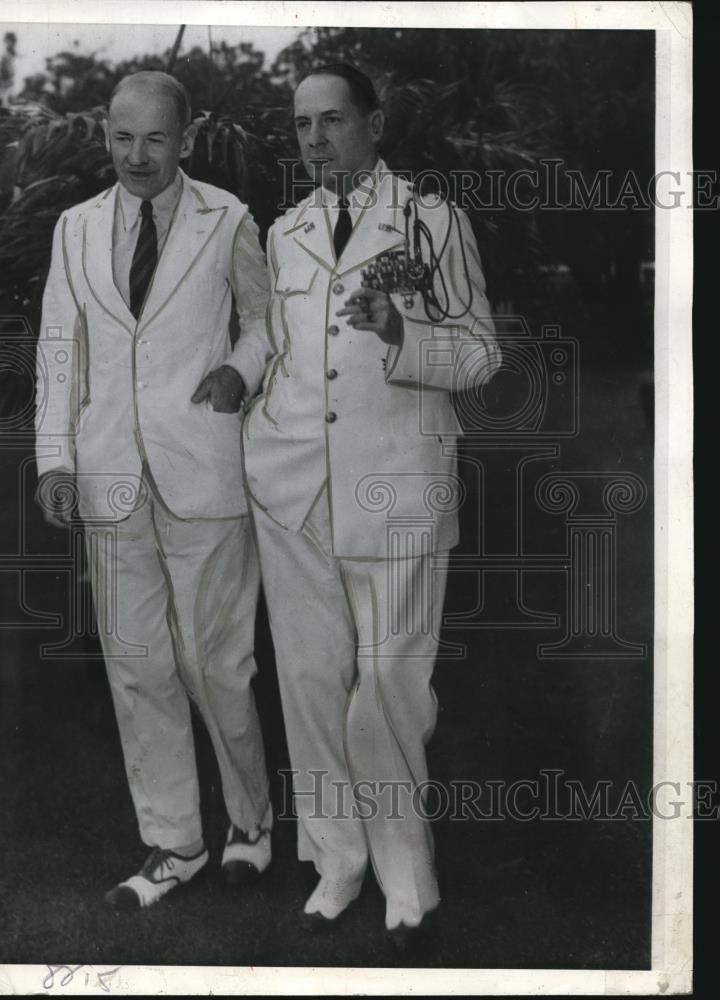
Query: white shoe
(330, 898)
(246, 856)
(163, 870)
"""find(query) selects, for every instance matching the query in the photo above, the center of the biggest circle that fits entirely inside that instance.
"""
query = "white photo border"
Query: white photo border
(671, 961)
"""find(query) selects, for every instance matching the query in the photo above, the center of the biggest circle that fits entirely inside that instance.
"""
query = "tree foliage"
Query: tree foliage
(471, 101)
(504, 101)
(7, 63)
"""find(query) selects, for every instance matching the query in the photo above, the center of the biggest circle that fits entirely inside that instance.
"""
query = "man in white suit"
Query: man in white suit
(138, 393)
(350, 463)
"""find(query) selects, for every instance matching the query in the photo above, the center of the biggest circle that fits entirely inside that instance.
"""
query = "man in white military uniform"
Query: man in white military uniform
(138, 392)
(350, 464)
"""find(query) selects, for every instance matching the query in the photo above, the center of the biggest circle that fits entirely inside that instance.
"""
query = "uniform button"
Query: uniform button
(339, 288)
(332, 374)
(333, 330)
(140, 385)
(331, 417)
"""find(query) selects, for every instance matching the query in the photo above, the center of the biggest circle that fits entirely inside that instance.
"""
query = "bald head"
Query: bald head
(153, 85)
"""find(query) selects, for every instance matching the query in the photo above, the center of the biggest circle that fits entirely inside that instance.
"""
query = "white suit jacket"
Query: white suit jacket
(376, 425)
(113, 392)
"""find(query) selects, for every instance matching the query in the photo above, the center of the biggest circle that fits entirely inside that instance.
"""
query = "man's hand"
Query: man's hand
(56, 495)
(225, 389)
(371, 309)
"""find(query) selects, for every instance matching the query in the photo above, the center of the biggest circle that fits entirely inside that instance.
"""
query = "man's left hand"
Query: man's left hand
(225, 389)
(371, 309)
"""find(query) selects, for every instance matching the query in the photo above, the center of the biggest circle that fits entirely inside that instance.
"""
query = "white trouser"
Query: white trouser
(355, 643)
(175, 603)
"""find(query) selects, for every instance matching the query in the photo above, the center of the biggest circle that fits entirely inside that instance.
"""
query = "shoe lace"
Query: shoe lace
(158, 860)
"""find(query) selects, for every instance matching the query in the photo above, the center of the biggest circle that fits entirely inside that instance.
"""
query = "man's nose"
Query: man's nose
(138, 151)
(317, 135)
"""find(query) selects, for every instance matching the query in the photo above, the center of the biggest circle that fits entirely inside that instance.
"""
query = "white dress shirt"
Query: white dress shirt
(126, 228)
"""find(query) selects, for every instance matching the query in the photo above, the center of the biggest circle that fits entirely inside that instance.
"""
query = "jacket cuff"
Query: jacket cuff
(450, 358)
(422, 357)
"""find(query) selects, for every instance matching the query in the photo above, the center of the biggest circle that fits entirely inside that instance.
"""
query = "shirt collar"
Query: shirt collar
(163, 204)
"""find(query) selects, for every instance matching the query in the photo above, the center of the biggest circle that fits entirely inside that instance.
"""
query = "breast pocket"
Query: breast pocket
(296, 278)
(295, 300)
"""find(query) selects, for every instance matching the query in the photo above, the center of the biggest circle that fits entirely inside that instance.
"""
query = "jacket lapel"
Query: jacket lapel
(192, 228)
(312, 231)
(379, 227)
(97, 248)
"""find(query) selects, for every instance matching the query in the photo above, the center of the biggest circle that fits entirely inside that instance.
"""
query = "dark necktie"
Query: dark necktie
(144, 259)
(343, 228)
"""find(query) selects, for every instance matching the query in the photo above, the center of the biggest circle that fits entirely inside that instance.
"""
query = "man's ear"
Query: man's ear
(188, 140)
(377, 123)
(106, 130)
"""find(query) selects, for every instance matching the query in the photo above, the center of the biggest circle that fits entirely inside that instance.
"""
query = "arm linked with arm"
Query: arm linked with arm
(251, 289)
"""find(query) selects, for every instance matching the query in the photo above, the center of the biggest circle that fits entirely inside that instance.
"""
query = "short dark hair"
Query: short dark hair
(163, 83)
(362, 89)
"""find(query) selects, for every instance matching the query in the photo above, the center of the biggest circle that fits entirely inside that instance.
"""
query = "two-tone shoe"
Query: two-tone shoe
(246, 856)
(163, 871)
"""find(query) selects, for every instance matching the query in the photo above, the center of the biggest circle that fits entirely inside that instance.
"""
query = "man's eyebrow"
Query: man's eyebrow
(127, 131)
(328, 111)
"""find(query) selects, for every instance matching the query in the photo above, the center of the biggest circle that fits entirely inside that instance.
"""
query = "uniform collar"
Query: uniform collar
(361, 196)
(377, 226)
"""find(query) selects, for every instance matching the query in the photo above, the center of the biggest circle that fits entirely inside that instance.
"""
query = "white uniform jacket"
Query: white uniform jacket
(113, 392)
(339, 407)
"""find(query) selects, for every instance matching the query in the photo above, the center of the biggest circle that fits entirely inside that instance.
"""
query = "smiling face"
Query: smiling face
(146, 140)
(338, 140)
